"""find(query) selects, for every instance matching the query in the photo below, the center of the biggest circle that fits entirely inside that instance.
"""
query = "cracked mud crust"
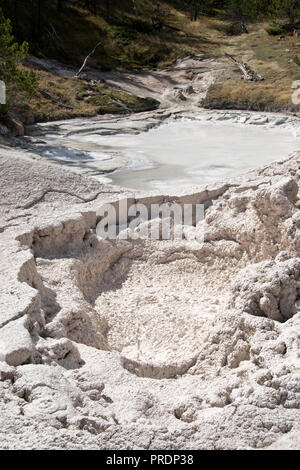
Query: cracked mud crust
(142, 344)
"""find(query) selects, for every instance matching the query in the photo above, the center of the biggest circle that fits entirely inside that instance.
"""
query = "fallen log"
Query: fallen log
(248, 73)
(48, 96)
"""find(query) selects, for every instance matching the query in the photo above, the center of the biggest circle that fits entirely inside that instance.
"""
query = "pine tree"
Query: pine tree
(16, 79)
(289, 9)
(240, 12)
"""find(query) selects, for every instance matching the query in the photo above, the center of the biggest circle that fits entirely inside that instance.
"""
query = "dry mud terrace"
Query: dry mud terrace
(139, 344)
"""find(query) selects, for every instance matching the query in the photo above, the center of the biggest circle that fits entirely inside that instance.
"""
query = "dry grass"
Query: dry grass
(271, 57)
(62, 98)
(249, 96)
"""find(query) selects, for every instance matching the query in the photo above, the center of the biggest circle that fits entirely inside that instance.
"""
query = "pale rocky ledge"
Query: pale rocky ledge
(148, 344)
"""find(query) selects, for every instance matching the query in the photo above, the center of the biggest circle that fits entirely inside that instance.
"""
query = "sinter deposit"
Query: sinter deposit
(140, 344)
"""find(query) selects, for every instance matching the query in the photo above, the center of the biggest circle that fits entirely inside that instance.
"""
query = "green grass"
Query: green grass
(127, 42)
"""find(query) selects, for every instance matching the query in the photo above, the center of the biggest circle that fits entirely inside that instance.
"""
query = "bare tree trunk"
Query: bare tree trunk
(135, 9)
(109, 8)
(60, 5)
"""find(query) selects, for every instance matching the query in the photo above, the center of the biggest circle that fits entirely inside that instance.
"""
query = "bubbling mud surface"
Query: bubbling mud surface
(159, 151)
(184, 153)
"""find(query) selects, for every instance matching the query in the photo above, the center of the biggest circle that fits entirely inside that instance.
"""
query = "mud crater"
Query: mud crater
(154, 306)
(157, 303)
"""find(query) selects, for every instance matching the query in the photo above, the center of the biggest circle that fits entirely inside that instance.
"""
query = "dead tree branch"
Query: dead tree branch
(86, 59)
(248, 73)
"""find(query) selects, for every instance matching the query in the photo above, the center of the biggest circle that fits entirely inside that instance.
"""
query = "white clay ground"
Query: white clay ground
(148, 345)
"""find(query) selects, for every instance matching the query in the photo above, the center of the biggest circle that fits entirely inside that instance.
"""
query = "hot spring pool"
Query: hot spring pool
(143, 153)
(185, 153)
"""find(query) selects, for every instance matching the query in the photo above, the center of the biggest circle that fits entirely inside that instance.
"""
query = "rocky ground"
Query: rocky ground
(139, 344)
(162, 85)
